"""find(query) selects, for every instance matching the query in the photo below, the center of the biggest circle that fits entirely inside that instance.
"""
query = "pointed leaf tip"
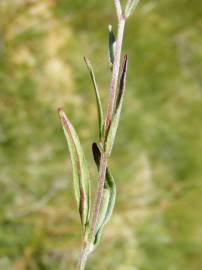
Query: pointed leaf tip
(112, 45)
(115, 122)
(98, 99)
(122, 80)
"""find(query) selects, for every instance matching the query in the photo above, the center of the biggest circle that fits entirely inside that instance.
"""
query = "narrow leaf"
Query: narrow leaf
(109, 197)
(81, 176)
(115, 122)
(112, 45)
(130, 7)
(98, 100)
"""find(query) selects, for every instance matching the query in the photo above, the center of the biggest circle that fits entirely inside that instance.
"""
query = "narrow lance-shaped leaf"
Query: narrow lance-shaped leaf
(112, 45)
(98, 100)
(81, 176)
(115, 122)
(108, 199)
(130, 7)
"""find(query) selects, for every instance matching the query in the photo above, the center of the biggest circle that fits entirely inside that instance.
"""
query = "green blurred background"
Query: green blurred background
(157, 160)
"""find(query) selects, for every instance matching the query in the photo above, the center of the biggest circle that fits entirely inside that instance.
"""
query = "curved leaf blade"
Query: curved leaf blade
(81, 176)
(119, 102)
(98, 99)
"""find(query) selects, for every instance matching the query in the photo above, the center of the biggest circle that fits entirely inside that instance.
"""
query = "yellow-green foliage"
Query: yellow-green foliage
(157, 159)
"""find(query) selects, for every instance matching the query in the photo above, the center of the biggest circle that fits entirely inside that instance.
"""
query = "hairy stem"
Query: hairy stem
(103, 160)
(115, 73)
(83, 257)
(86, 248)
(118, 8)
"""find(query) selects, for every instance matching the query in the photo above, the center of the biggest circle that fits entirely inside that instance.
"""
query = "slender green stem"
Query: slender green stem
(104, 158)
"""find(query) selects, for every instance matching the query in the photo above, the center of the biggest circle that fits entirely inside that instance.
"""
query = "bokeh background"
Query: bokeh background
(157, 160)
